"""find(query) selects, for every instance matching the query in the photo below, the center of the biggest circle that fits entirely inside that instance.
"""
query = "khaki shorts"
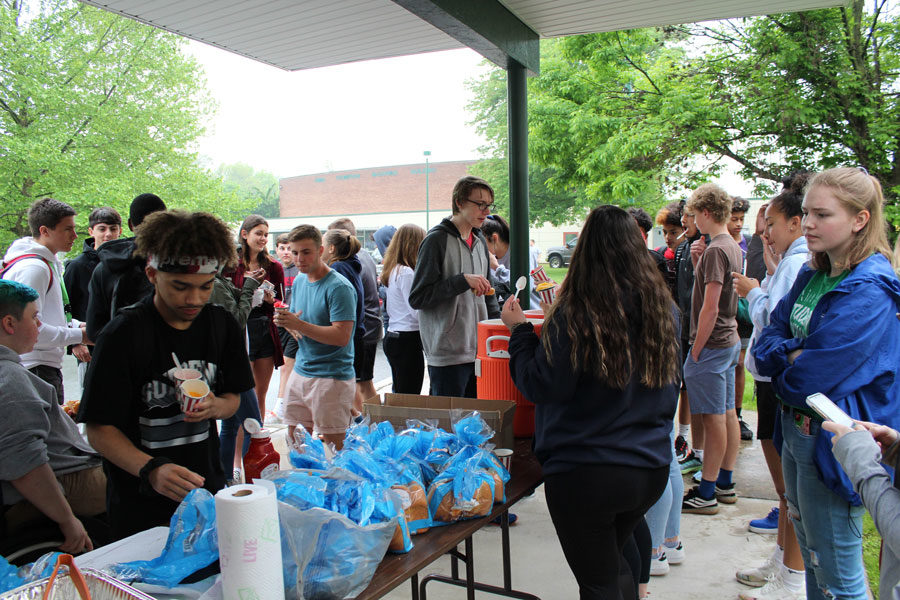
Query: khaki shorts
(319, 402)
(85, 490)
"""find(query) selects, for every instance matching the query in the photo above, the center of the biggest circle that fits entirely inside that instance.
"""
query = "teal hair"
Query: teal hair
(14, 297)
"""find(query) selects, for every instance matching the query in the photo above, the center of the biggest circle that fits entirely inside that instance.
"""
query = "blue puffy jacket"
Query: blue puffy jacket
(852, 355)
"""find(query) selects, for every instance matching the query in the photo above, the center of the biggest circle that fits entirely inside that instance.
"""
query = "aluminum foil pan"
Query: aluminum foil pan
(101, 586)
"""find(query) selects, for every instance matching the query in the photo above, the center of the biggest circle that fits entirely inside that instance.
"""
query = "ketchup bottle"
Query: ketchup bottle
(261, 458)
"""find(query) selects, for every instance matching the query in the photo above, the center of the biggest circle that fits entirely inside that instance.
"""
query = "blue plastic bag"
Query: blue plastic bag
(311, 454)
(300, 489)
(471, 428)
(327, 555)
(192, 545)
(462, 491)
(9, 576)
(12, 577)
(483, 459)
(373, 499)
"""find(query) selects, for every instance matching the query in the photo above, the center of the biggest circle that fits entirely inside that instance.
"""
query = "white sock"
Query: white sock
(778, 555)
(684, 431)
(699, 453)
(793, 580)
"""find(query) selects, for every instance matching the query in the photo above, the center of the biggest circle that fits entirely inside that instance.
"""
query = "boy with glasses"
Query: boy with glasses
(451, 289)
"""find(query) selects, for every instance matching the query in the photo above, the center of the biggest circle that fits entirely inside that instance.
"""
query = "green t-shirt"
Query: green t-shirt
(818, 286)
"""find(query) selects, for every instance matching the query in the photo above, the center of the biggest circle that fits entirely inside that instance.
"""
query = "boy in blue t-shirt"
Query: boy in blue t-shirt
(322, 385)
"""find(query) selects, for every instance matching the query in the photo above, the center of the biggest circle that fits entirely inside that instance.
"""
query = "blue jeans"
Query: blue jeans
(453, 380)
(664, 517)
(828, 528)
(248, 408)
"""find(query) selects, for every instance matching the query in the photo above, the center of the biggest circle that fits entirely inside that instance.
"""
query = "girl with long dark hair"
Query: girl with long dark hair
(604, 376)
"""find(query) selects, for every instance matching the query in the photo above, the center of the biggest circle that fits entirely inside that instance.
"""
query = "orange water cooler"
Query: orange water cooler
(492, 372)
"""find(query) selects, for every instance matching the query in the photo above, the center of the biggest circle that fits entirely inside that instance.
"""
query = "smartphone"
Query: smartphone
(706, 237)
(828, 410)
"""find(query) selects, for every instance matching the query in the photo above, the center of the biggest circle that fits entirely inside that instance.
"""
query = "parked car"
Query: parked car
(560, 256)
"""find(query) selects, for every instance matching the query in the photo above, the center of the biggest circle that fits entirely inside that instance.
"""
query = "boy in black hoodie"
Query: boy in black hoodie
(119, 280)
(104, 225)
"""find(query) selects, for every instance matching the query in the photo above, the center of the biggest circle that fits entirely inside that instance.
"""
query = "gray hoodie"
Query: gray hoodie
(448, 310)
(860, 456)
(36, 430)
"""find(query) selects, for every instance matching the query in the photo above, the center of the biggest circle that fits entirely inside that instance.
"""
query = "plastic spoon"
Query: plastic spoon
(521, 282)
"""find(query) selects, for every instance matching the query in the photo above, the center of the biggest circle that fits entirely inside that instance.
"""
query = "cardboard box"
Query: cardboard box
(397, 408)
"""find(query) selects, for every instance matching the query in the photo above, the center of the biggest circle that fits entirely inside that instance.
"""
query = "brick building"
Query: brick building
(380, 190)
(390, 195)
(377, 196)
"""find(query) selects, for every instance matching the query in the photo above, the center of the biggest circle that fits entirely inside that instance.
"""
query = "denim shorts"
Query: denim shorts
(710, 380)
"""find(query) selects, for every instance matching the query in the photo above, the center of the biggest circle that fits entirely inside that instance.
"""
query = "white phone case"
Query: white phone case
(828, 410)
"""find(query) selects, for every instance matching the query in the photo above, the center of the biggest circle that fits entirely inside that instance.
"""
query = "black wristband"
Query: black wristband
(154, 463)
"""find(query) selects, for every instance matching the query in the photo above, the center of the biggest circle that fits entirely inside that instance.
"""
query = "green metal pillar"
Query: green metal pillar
(517, 123)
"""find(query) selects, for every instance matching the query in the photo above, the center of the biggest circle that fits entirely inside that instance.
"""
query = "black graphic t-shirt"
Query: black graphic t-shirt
(130, 385)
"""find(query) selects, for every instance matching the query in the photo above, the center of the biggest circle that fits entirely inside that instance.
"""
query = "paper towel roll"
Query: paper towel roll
(249, 543)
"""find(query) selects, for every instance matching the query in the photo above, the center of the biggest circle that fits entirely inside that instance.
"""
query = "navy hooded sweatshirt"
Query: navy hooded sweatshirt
(351, 268)
(580, 420)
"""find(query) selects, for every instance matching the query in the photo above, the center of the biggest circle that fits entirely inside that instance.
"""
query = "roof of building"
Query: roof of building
(303, 34)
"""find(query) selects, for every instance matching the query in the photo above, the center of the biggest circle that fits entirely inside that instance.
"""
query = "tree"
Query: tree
(257, 189)
(547, 203)
(649, 113)
(95, 109)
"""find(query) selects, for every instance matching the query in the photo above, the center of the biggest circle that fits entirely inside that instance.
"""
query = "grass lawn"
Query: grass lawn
(556, 275)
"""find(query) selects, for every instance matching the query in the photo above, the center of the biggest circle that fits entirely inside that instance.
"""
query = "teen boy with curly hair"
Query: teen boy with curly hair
(154, 453)
(715, 345)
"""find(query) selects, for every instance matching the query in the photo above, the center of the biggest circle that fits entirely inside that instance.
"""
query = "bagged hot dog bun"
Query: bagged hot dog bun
(446, 512)
(417, 507)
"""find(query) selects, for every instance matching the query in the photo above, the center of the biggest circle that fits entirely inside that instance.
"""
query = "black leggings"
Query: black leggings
(595, 509)
(403, 350)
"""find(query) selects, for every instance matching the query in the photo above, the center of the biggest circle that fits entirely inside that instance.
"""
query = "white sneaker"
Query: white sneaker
(759, 576)
(773, 590)
(675, 556)
(659, 565)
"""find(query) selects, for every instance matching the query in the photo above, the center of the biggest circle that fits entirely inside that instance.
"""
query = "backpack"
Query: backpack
(8, 265)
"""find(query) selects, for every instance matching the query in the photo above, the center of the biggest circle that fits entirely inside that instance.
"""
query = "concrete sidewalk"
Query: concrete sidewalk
(716, 546)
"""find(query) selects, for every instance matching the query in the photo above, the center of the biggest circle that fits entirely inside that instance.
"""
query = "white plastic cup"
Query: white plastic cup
(190, 393)
(504, 455)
